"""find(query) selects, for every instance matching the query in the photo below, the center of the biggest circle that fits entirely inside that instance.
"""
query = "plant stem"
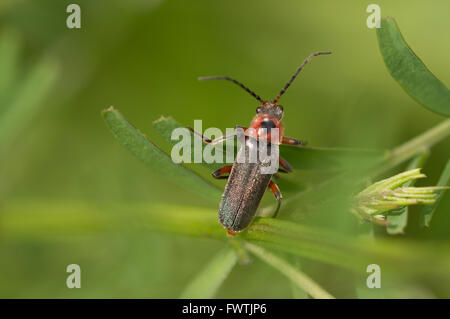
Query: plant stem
(418, 144)
(295, 275)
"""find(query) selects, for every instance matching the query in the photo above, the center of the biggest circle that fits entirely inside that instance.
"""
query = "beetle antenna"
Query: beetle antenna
(209, 78)
(297, 72)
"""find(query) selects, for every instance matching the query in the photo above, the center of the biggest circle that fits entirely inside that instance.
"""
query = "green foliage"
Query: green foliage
(428, 211)
(69, 193)
(21, 95)
(295, 275)
(386, 197)
(409, 71)
(304, 158)
(398, 222)
(385, 201)
(206, 284)
(151, 155)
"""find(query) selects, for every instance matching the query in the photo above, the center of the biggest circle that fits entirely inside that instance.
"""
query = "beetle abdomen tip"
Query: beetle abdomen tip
(231, 233)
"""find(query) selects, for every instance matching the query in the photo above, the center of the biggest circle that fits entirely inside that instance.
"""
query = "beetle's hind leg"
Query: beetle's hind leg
(220, 173)
(276, 191)
(285, 167)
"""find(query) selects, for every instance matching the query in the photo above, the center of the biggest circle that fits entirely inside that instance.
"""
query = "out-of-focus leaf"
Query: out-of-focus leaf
(4, 5)
(428, 211)
(150, 154)
(414, 146)
(297, 277)
(9, 52)
(397, 223)
(333, 159)
(211, 277)
(409, 71)
(46, 220)
(28, 97)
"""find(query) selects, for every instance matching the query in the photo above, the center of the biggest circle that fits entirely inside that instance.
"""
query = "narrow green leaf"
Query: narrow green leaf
(299, 157)
(166, 125)
(409, 71)
(44, 220)
(9, 53)
(300, 279)
(398, 222)
(150, 154)
(428, 211)
(27, 99)
(332, 159)
(211, 277)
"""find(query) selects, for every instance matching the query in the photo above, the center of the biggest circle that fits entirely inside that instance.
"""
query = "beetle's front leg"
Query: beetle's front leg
(292, 141)
(276, 191)
(217, 140)
(220, 173)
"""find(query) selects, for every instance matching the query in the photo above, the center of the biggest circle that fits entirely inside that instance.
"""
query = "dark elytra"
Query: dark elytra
(244, 191)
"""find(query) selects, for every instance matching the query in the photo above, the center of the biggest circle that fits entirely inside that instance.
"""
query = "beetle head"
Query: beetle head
(271, 109)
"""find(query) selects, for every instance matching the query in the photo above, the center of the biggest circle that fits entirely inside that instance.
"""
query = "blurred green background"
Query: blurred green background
(143, 57)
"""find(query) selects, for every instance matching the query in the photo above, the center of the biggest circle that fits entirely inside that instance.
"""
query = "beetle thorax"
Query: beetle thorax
(262, 127)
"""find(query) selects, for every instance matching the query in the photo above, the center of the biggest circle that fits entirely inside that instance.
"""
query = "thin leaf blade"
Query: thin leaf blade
(29, 97)
(297, 277)
(209, 280)
(307, 158)
(144, 150)
(428, 211)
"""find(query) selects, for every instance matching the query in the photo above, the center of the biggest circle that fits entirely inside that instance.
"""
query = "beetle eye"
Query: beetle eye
(258, 109)
(281, 108)
(268, 124)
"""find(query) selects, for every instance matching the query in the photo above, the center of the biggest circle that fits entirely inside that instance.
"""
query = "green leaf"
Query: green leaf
(150, 154)
(166, 125)
(299, 157)
(297, 277)
(333, 159)
(428, 211)
(209, 280)
(409, 71)
(44, 220)
(9, 53)
(28, 96)
(398, 222)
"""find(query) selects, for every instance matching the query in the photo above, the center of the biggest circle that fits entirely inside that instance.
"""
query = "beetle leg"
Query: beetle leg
(208, 140)
(276, 191)
(292, 141)
(219, 174)
(285, 167)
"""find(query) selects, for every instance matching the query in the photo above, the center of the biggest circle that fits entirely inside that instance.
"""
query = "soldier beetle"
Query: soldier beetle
(246, 184)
